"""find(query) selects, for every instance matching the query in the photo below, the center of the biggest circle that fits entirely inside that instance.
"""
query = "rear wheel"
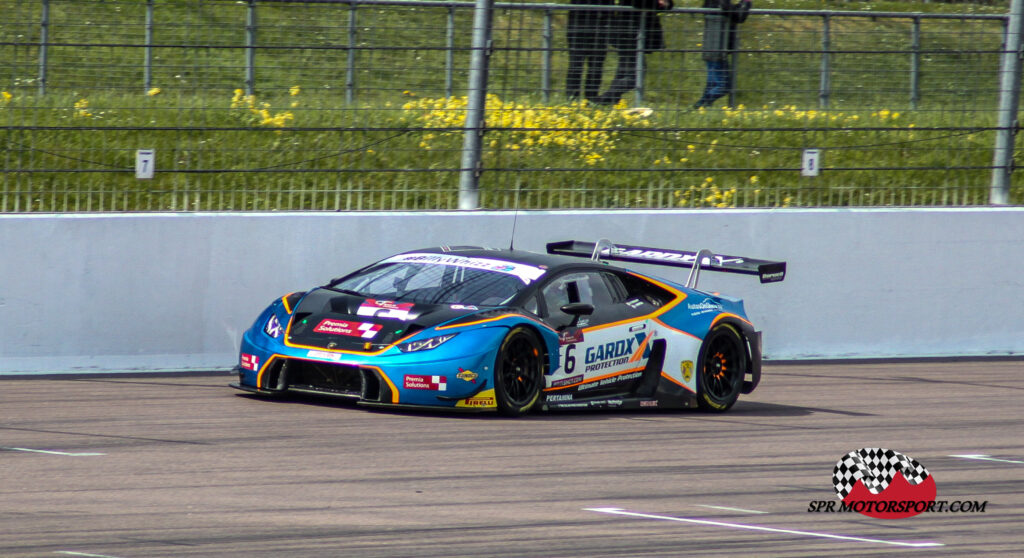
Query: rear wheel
(518, 372)
(723, 362)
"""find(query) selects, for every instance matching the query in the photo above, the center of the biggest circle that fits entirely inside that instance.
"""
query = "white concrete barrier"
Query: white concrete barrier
(88, 292)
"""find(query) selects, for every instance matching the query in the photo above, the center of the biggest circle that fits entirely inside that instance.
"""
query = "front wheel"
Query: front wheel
(518, 372)
(723, 362)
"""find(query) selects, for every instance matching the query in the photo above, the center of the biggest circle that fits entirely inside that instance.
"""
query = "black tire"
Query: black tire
(518, 372)
(723, 363)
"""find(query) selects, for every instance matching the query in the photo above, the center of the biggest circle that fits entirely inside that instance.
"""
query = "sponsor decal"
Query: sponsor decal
(430, 383)
(570, 335)
(350, 329)
(611, 380)
(609, 403)
(704, 307)
(685, 257)
(274, 328)
(773, 276)
(484, 399)
(556, 397)
(249, 362)
(568, 381)
(526, 273)
(467, 376)
(634, 303)
(636, 328)
(887, 484)
(386, 309)
(616, 353)
(463, 307)
(652, 403)
(687, 369)
(324, 354)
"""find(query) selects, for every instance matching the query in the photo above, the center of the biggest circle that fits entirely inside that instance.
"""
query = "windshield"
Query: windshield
(436, 283)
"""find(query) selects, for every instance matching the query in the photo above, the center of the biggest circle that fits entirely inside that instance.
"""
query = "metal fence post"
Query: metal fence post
(545, 63)
(147, 72)
(449, 53)
(1009, 97)
(250, 48)
(472, 143)
(44, 40)
(915, 63)
(350, 62)
(641, 42)
(825, 88)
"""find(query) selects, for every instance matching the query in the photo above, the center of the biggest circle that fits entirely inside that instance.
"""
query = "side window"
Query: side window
(584, 286)
(638, 292)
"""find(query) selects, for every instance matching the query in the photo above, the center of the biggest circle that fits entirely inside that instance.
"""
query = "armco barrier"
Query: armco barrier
(88, 292)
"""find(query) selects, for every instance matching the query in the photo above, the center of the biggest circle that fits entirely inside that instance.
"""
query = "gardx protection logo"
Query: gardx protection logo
(887, 484)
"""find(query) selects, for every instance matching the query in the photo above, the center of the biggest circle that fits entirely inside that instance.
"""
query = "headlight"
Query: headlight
(425, 344)
(273, 327)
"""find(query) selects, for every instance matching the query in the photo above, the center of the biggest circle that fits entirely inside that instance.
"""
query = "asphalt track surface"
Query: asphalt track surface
(181, 465)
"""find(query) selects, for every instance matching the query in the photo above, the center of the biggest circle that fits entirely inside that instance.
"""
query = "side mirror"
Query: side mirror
(577, 309)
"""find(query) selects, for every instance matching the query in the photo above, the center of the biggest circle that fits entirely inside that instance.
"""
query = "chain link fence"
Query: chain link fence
(361, 104)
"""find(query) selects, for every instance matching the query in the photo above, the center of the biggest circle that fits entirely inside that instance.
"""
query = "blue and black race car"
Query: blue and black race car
(513, 331)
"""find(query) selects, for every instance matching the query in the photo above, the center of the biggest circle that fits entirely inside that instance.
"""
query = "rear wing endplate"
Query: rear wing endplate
(767, 271)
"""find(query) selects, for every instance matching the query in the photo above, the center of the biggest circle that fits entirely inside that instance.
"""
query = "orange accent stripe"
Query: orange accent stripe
(640, 351)
(720, 316)
(284, 300)
(496, 318)
(675, 381)
(663, 324)
(394, 390)
(680, 296)
(259, 375)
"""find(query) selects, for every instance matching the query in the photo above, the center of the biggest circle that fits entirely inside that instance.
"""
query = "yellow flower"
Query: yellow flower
(6, 97)
(294, 90)
(154, 91)
(754, 179)
(82, 109)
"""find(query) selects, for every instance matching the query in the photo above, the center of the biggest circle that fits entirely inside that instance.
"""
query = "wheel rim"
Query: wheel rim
(721, 368)
(520, 370)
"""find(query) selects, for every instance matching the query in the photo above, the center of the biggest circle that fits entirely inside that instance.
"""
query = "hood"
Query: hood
(332, 320)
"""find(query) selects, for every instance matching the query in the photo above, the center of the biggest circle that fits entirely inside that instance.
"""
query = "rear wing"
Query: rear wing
(767, 271)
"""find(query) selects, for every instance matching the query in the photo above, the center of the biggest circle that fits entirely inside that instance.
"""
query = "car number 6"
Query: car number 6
(570, 361)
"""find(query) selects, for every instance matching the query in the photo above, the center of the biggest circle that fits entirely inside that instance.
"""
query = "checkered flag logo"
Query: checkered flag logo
(875, 467)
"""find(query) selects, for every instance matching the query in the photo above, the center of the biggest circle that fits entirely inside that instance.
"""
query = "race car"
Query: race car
(471, 328)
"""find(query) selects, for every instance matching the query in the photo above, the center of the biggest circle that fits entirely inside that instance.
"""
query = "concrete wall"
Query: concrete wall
(175, 291)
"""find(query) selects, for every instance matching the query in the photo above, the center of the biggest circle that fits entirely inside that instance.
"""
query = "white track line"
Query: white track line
(982, 457)
(730, 509)
(73, 553)
(619, 511)
(53, 452)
